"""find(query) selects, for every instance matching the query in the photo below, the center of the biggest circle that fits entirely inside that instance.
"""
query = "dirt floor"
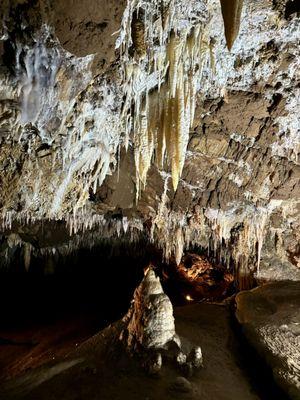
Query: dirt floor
(98, 369)
(34, 344)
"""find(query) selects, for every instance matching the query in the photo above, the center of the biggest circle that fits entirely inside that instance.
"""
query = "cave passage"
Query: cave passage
(61, 302)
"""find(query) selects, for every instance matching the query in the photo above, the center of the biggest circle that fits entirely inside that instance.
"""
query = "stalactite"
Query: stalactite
(247, 242)
(231, 11)
(163, 50)
(179, 245)
(174, 63)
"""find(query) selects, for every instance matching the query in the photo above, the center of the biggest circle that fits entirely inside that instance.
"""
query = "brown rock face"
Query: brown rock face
(199, 279)
(87, 27)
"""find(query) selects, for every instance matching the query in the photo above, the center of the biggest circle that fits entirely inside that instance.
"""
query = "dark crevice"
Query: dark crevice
(275, 101)
(292, 7)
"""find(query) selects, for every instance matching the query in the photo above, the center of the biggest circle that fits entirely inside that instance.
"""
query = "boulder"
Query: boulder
(270, 317)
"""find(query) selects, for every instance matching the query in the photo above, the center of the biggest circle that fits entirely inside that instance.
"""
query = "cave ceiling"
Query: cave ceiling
(134, 119)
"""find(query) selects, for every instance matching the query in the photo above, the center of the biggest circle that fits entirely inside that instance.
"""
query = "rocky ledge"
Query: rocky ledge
(270, 317)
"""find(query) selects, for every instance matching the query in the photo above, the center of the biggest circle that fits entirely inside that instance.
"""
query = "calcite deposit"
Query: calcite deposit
(132, 119)
(149, 330)
(150, 321)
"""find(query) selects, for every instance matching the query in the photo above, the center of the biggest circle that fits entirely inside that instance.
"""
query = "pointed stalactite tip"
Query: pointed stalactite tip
(231, 11)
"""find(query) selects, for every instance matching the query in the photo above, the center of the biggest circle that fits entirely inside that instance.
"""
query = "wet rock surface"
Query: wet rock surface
(270, 318)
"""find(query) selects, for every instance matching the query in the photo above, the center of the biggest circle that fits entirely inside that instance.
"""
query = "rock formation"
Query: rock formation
(270, 317)
(150, 329)
(141, 121)
(150, 319)
(199, 278)
(231, 11)
(134, 120)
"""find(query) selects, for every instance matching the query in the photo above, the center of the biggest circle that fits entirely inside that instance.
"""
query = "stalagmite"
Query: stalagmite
(150, 321)
(231, 11)
(149, 328)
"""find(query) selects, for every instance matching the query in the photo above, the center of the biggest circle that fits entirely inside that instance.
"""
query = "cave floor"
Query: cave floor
(91, 372)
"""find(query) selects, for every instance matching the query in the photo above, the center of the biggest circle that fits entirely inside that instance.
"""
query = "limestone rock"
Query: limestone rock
(153, 364)
(70, 83)
(150, 319)
(181, 358)
(195, 357)
(270, 317)
(149, 330)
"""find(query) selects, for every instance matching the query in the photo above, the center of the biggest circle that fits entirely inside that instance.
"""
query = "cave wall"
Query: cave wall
(76, 79)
